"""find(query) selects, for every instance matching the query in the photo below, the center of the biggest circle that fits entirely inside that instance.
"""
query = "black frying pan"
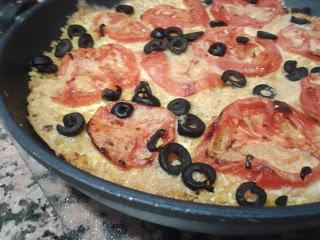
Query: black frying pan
(29, 36)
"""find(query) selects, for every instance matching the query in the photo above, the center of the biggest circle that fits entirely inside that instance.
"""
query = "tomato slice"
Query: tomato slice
(301, 40)
(240, 13)
(281, 140)
(166, 15)
(123, 141)
(121, 27)
(181, 76)
(258, 57)
(88, 71)
(310, 95)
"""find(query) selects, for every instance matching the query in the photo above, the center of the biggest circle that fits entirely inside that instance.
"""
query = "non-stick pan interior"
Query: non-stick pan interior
(30, 38)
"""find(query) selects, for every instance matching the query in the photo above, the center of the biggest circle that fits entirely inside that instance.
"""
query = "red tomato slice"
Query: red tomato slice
(256, 58)
(181, 76)
(240, 13)
(281, 139)
(126, 139)
(310, 95)
(301, 40)
(88, 71)
(121, 27)
(167, 16)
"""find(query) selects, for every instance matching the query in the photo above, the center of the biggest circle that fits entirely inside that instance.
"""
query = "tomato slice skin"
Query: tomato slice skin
(310, 95)
(301, 41)
(166, 15)
(126, 139)
(257, 121)
(258, 57)
(121, 27)
(86, 72)
(158, 67)
(226, 10)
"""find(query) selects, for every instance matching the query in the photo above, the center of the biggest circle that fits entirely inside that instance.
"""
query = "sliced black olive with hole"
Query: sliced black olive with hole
(143, 94)
(259, 194)
(157, 45)
(193, 36)
(127, 9)
(305, 171)
(264, 90)
(173, 157)
(74, 124)
(242, 40)
(50, 68)
(159, 33)
(178, 45)
(315, 70)
(207, 172)
(112, 95)
(218, 49)
(64, 46)
(41, 60)
(101, 29)
(298, 74)
(304, 10)
(281, 201)
(290, 65)
(179, 106)
(217, 23)
(122, 110)
(266, 35)
(76, 31)
(234, 78)
(191, 126)
(282, 107)
(154, 140)
(173, 32)
(299, 21)
(207, 2)
(86, 41)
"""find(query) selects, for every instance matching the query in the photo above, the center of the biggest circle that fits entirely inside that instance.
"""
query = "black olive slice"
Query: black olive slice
(193, 36)
(191, 126)
(101, 29)
(173, 32)
(253, 1)
(74, 124)
(305, 171)
(179, 106)
(217, 23)
(315, 70)
(207, 2)
(242, 40)
(50, 68)
(264, 90)
(299, 21)
(202, 168)
(127, 9)
(86, 41)
(266, 35)
(143, 94)
(178, 45)
(281, 201)
(174, 149)
(122, 110)
(304, 10)
(112, 95)
(76, 31)
(64, 46)
(290, 65)
(298, 74)
(152, 143)
(234, 78)
(41, 60)
(248, 163)
(159, 33)
(254, 189)
(157, 45)
(282, 107)
(218, 49)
